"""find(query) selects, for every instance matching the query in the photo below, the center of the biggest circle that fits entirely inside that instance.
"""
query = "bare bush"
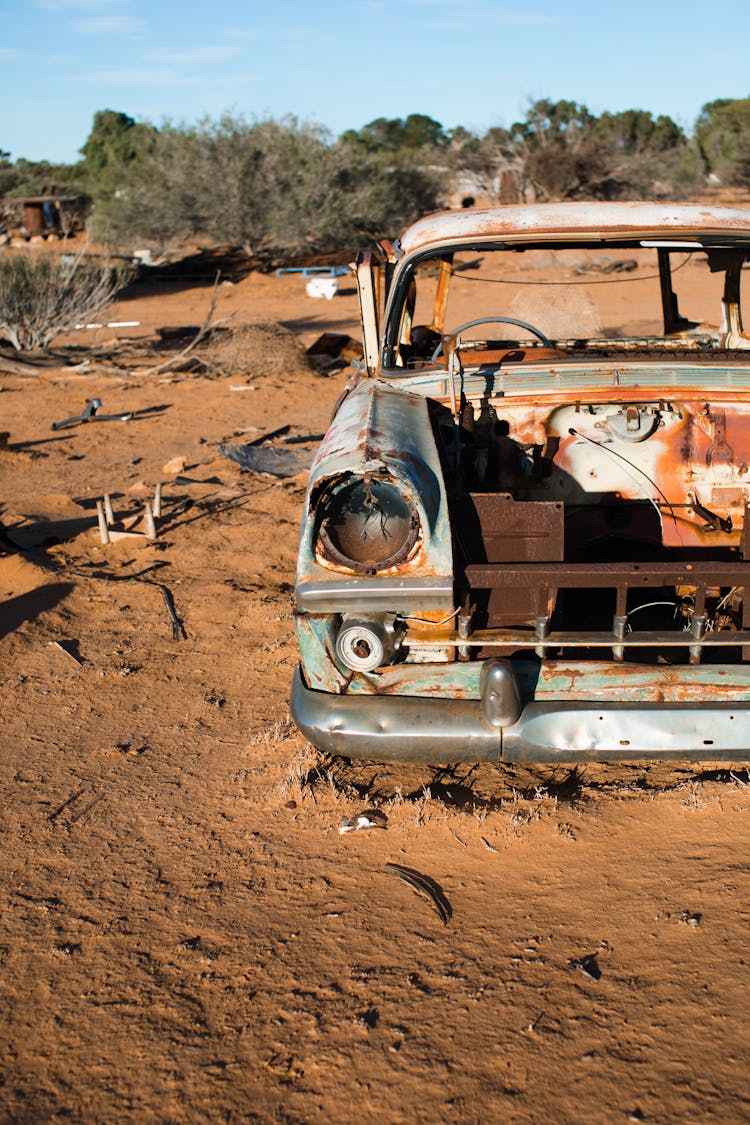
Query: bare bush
(43, 297)
(255, 350)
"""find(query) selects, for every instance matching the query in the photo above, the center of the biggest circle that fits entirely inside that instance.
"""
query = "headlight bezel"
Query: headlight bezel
(380, 497)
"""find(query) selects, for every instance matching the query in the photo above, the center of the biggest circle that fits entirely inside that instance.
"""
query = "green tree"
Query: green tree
(8, 173)
(115, 142)
(271, 186)
(561, 150)
(635, 131)
(722, 133)
(396, 133)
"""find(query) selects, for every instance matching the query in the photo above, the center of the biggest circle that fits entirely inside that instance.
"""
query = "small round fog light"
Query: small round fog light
(360, 646)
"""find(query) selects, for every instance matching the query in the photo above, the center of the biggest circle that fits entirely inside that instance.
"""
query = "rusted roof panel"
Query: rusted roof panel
(577, 221)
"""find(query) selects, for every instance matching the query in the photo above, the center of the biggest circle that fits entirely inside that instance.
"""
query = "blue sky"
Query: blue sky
(343, 62)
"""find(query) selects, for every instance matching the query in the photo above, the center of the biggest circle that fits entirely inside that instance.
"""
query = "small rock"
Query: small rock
(175, 466)
(587, 965)
(368, 1018)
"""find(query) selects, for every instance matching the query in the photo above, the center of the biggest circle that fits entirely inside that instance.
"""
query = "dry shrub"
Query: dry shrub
(255, 350)
(43, 296)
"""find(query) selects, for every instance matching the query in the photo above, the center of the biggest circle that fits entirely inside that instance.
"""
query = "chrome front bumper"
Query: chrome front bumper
(418, 729)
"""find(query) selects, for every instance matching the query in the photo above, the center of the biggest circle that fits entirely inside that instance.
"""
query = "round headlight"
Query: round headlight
(369, 526)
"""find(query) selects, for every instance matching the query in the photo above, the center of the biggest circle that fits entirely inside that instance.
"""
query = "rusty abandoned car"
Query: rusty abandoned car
(526, 531)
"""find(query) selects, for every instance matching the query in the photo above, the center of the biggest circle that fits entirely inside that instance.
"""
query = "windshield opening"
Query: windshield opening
(569, 298)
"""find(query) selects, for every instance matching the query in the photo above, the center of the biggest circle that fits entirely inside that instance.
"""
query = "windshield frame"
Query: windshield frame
(733, 249)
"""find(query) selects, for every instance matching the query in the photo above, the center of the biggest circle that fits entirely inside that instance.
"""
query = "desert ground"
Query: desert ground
(186, 936)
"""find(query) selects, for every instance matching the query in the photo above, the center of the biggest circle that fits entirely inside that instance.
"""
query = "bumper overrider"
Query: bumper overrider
(499, 726)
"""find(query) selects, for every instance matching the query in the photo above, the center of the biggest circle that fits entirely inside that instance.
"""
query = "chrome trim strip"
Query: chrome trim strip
(394, 728)
(416, 729)
(584, 732)
(373, 594)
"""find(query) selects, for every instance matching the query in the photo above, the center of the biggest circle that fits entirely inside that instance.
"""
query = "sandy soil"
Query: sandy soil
(187, 937)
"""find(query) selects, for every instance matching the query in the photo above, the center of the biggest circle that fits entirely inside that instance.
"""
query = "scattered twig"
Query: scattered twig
(456, 837)
(207, 326)
(85, 810)
(423, 885)
(178, 629)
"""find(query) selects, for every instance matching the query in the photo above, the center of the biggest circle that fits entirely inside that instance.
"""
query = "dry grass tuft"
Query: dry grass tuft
(278, 732)
(307, 767)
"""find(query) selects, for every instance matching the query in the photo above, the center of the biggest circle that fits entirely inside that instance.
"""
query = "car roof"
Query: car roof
(577, 222)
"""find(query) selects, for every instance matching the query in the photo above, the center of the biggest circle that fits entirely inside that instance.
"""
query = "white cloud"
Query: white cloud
(461, 10)
(159, 76)
(193, 55)
(80, 5)
(108, 25)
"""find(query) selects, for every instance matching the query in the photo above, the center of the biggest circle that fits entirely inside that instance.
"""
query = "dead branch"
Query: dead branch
(207, 326)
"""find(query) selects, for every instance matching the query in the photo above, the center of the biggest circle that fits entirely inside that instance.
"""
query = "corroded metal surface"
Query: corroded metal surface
(374, 594)
(397, 729)
(577, 219)
(589, 481)
(554, 680)
(379, 430)
(580, 732)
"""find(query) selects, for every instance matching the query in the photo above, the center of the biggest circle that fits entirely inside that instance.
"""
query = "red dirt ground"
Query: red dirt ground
(186, 936)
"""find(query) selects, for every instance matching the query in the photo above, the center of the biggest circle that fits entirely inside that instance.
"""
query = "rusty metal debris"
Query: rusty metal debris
(257, 457)
(373, 818)
(90, 414)
(423, 885)
(109, 532)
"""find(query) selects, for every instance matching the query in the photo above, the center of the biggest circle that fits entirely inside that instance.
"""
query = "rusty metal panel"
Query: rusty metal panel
(577, 221)
(517, 531)
(599, 575)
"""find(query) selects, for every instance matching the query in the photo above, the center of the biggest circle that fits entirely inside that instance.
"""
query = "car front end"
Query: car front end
(525, 535)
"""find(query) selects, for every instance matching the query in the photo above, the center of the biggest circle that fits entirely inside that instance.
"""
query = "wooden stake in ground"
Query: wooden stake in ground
(148, 516)
(103, 526)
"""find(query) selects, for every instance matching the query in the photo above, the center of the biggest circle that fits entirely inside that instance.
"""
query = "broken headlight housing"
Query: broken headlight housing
(368, 525)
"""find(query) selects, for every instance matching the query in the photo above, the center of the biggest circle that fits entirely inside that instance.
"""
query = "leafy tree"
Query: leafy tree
(38, 177)
(8, 173)
(115, 142)
(268, 185)
(634, 131)
(560, 150)
(397, 133)
(722, 133)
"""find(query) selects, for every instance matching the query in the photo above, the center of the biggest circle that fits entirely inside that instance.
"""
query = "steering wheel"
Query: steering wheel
(496, 320)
